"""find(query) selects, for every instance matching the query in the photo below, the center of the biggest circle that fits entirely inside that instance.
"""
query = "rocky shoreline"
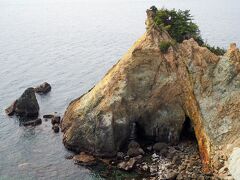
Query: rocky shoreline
(171, 162)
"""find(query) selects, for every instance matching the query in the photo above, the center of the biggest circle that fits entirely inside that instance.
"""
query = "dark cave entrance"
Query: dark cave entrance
(187, 132)
(137, 133)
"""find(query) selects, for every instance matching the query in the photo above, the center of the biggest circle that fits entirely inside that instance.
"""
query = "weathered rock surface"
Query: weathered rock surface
(43, 88)
(132, 152)
(158, 91)
(11, 109)
(159, 146)
(134, 149)
(84, 159)
(25, 106)
(127, 165)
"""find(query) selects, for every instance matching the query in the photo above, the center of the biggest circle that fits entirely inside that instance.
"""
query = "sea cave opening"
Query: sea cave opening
(187, 132)
(137, 133)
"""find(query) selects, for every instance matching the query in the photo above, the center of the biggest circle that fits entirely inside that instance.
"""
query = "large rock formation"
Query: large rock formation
(157, 91)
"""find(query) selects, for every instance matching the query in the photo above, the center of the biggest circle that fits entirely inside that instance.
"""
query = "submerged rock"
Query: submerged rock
(56, 128)
(43, 88)
(56, 120)
(26, 106)
(34, 122)
(158, 91)
(48, 116)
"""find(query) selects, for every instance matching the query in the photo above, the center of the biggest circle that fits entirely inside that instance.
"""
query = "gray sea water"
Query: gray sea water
(71, 44)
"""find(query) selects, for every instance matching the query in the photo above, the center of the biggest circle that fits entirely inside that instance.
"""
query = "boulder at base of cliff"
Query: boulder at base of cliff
(26, 106)
(84, 159)
(127, 165)
(43, 88)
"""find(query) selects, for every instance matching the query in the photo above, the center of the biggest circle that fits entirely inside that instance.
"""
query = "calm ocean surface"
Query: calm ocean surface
(71, 44)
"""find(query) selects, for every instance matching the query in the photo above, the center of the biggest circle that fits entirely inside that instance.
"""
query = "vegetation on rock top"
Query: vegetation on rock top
(180, 26)
(164, 46)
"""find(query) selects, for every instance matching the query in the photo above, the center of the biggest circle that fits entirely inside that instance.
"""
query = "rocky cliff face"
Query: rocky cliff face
(157, 91)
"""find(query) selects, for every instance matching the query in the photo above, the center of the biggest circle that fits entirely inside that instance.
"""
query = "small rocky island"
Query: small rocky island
(152, 93)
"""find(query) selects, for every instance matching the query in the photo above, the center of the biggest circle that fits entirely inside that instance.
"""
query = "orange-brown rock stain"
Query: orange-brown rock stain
(192, 110)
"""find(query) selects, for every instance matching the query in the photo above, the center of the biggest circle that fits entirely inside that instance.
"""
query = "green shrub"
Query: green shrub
(216, 50)
(180, 26)
(164, 46)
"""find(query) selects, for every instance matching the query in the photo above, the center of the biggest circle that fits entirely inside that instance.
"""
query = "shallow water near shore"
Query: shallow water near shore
(71, 44)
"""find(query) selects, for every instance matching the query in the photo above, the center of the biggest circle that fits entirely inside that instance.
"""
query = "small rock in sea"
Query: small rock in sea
(84, 159)
(34, 122)
(69, 156)
(159, 146)
(55, 128)
(43, 88)
(11, 109)
(48, 116)
(25, 106)
(56, 120)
